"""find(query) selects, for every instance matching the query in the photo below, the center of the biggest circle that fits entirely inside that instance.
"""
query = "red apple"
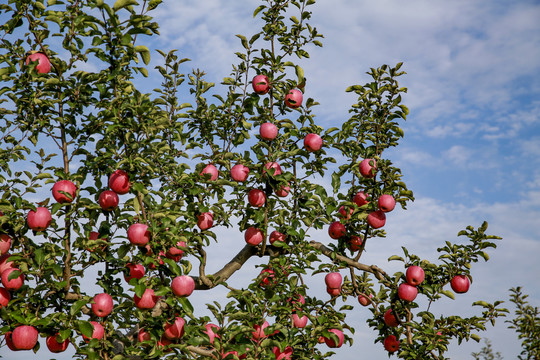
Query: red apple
(333, 292)
(283, 355)
(364, 300)
(415, 275)
(345, 213)
(43, 66)
(5, 243)
(253, 236)
(176, 253)
(210, 170)
(183, 285)
(258, 333)
(360, 198)
(331, 343)
(205, 220)
(138, 234)
(256, 197)
(40, 219)
(333, 280)
(98, 333)
(296, 301)
(294, 98)
(24, 337)
(391, 344)
(211, 331)
(283, 190)
(277, 236)
(9, 342)
(64, 191)
(272, 165)
(119, 182)
(108, 200)
(261, 84)
(102, 305)
(459, 283)
(54, 346)
(387, 203)
(239, 172)
(407, 292)
(176, 329)
(5, 297)
(143, 335)
(390, 319)
(336, 230)
(13, 284)
(355, 242)
(164, 342)
(268, 131)
(5, 263)
(147, 301)
(94, 235)
(268, 277)
(135, 271)
(313, 142)
(299, 322)
(376, 219)
(368, 168)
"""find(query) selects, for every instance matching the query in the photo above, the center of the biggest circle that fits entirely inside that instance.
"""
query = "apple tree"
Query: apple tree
(101, 176)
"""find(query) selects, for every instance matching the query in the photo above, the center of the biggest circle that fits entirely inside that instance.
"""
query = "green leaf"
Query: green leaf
(395, 257)
(186, 304)
(449, 294)
(76, 308)
(86, 328)
(258, 10)
(144, 52)
(299, 74)
(120, 4)
(39, 256)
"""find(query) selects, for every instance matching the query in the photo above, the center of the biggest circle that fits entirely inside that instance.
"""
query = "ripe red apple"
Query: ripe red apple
(176, 329)
(147, 301)
(360, 198)
(210, 170)
(64, 191)
(355, 242)
(13, 284)
(331, 343)
(119, 182)
(24, 337)
(138, 234)
(5, 243)
(261, 84)
(333, 291)
(143, 335)
(94, 235)
(5, 297)
(205, 220)
(5, 263)
(415, 275)
(108, 200)
(390, 319)
(387, 203)
(368, 168)
(277, 236)
(376, 219)
(268, 131)
(459, 283)
(336, 230)
(258, 333)
(294, 98)
(102, 305)
(135, 271)
(364, 300)
(272, 165)
(296, 301)
(313, 142)
(9, 342)
(211, 331)
(183, 285)
(239, 172)
(391, 344)
(256, 197)
(43, 66)
(253, 236)
(345, 213)
(333, 280)
(98, 332)
(299, 322)
(54, 346)
(282, 355)
(176, 253)
(40, 219)
(407, 292)
(283, 191)
(164, 342)
(268, 277)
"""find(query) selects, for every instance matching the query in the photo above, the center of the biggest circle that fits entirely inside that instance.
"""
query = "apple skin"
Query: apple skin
(135, 271)
(277, 236)
(143, 335)
(364, 300)
(336, 230)
(376, 219)
(44, 64)
(268, 277)
(294, 99)
(258, 333)
(54, 346)
(67, 187)
(211, 331)
(268, 131)
(183, 285)
(147, 301)
(211, 170)
(94, 235)
(176, 253)
(407, 292)
(40, 219)
(344, 214)
(103, 305)
(256, 197)
(330, 343)
(282, 355)
(360, 199)
(138, 234)
(175, 330)
(390, 319)
(9, 342)
(24, 337)
(253, 236)
(355, 243)
(108, 200)
(205, 220)
(5, 263)
(387, 203)
(98, 332)
(415, 275)
(333, 280)
(459, 283)
(313, 142)
(5, 297)
(13, 284)
(119, 182)
(333, 292)
(261, 84)
(366, 168)
(391, 344)
(5, 243)
(274, 165)
(239, 172)
(283, 191)
(299, 322)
